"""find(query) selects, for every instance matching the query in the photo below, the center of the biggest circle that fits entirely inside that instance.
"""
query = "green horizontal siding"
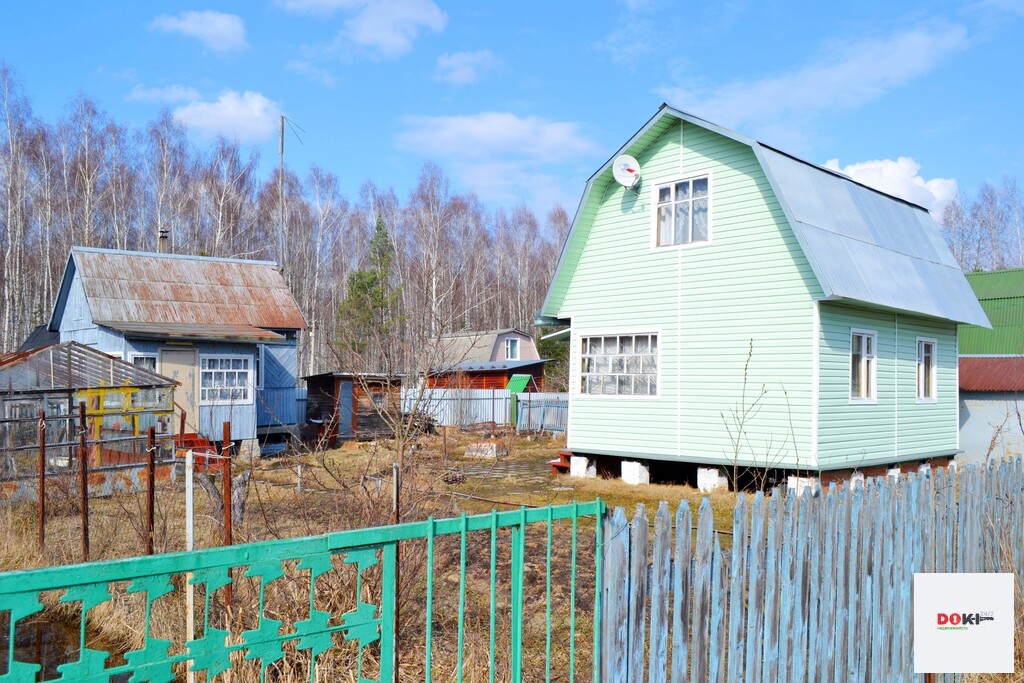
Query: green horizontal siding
(896, 426)
(706, 303)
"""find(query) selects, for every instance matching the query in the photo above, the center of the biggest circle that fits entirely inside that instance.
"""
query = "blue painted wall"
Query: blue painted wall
(277, 400)
(274, 404)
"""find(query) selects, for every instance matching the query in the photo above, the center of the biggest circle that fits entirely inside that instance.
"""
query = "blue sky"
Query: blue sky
(522, 101)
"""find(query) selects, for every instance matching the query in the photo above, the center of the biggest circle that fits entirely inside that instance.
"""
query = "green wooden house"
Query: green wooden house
(992, 370)
(741, 306)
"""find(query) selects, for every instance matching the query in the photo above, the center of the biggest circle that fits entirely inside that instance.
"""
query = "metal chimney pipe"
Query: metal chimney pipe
(163, 242)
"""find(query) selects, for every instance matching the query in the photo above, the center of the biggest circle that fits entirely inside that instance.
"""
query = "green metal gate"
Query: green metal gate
(88, 593)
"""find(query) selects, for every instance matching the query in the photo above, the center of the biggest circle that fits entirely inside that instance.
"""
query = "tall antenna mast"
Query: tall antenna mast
(280, 201)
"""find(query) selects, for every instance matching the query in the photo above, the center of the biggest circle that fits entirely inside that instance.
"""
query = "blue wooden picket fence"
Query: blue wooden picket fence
(814, 588)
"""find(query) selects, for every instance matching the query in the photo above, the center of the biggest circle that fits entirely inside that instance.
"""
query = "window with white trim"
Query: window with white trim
(511, 349)
(862, 365)
(225, 380)
(146, 361)
(624, 365)
(926, 370)
(682, 212)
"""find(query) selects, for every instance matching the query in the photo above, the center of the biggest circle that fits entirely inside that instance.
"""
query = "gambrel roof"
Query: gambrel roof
(863, 245)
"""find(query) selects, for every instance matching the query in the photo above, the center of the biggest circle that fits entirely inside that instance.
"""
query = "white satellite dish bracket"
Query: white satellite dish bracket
(626, 171)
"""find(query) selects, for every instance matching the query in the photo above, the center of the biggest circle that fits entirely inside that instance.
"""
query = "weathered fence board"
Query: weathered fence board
(797, 596)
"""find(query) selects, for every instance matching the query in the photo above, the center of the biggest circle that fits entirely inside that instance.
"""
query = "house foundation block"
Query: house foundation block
(711, 479)
(582, 466)
(635, 473)
(486, 449)
(797, 485)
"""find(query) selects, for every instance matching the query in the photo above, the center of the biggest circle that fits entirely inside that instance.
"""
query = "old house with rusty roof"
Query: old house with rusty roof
(224, 328)
(991, 373)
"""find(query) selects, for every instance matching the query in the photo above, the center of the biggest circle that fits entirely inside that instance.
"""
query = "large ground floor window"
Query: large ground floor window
(225, 380)
(623, 365)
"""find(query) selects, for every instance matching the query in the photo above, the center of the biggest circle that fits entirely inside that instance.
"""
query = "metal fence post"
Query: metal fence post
(150, 485)
(83, 478)
(42, 480)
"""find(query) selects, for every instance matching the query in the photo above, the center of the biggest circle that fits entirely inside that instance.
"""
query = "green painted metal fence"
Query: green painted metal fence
(275, 575)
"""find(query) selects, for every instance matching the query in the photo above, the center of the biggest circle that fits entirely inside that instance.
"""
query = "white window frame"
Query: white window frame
(511, 342)
(260, 368)
(870, 372)
(250, 399)
(654, 211)
(579, 346)
(155, 357)
(921, 342)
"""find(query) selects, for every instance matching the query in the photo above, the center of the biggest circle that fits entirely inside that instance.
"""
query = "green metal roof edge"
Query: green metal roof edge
(517, 383)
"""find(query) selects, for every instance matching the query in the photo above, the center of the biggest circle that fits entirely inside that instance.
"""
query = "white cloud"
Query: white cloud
(492, 133)
(386, 27)
(852, 74)
(391, 26)
(501, 156)
(169, 93)
(901, 177)
(321, 7)
(460, 68)
(312, 72)
(248, 116)
(218, 31)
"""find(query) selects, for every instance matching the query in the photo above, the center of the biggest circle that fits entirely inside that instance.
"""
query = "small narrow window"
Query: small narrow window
(926, 369)
(682, 212)
(862, 365)
(145, 361)
(511, 349)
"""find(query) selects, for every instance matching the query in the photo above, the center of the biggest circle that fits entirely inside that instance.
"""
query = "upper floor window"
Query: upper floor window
(926, 369)
(862, 365)
(682, 212)
(625, 365)
(511, 349)
(146, 361)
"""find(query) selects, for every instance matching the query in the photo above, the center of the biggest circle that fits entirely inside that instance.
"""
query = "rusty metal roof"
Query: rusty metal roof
(979, 373)
(126, 287)
(71, 366)
(189, 332)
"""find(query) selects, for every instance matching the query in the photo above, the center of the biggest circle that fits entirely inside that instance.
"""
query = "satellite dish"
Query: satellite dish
(626, 171)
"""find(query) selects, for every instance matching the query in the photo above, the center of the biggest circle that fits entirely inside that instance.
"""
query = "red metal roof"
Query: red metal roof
(191, 332)
(991, 374)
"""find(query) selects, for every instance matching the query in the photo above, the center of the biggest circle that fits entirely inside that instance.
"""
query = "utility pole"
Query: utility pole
(280, 200)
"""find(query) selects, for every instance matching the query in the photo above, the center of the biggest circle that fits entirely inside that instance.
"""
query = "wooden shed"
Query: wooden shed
(346, 405)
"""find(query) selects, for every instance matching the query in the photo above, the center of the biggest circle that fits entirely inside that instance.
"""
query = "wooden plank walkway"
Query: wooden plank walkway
(797, 597)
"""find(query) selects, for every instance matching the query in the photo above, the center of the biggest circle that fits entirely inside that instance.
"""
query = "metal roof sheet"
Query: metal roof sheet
(991, 374)
(517, 383)
(998, 284)
(72, 366)
(863, 245)
(1002, 296)
(867, 246)
(485, 366)
(192, 332)
(174, 289)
